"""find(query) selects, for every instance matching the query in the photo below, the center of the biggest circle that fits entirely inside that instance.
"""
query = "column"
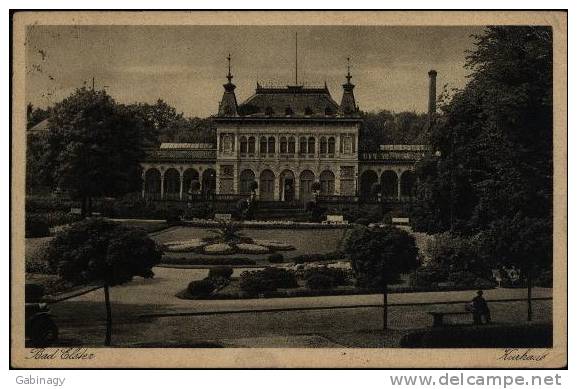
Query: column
(181, 175)
(338, 180)
(398, 185)
(277, 195)
(297, 186)
(162, 184)
(235, 179)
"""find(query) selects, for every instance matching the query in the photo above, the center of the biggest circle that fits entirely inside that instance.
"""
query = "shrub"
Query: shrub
(172, 215)
(544, 279)
(202, 288)
(199, 211)
(320, 281)
(36, 227)
(220, 272)
(338, 276)
(427, 276)
(456, 254)
(267, 280)
(362, 221)
(276, 258)
(462, 279)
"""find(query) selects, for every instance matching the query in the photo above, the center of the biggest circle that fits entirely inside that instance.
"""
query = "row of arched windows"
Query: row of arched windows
(389, 183)
(287, 145)
(169, 183)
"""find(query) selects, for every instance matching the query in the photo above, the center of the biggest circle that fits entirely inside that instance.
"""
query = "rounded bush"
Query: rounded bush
(36, 227)
(267, 280)
(202, 288)
(338, 276)
(276, 258)
(320, 281)
(362, 221)
(220, 272)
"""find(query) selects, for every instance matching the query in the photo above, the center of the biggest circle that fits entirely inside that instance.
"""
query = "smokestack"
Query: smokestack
(432, 93)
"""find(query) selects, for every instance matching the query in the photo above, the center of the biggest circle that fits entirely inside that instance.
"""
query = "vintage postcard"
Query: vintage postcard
(289, 189)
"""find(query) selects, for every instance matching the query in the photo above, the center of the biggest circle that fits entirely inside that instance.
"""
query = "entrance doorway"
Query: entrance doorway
(287, 184)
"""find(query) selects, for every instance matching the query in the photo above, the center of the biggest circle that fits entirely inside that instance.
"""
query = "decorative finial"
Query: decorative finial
(349, 70)
(229, 76)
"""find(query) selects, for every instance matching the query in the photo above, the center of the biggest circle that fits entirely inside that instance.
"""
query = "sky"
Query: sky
(186, 66)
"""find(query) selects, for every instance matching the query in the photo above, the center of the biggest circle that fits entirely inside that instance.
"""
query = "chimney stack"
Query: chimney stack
(432, 94)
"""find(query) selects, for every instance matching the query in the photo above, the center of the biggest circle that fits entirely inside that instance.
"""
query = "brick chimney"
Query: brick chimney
(432, 94)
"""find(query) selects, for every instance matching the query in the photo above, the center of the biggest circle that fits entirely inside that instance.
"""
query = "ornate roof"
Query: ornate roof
(290, 101)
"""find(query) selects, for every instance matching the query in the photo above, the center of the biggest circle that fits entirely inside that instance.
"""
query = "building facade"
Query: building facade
(284, 139)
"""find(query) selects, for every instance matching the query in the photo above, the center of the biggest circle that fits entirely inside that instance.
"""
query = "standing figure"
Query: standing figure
(480, 309)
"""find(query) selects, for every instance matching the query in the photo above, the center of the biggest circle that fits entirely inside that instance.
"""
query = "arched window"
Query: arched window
(347, 145)
(243, 145)
(323, 145)
(291, 145)
(306, 186)
(269, 111)
(327, 183)
(368, 181)
(288, 111)
(271, 144)
(266, 185)
(408, 184)
(389, 184)
(246, 179)
(171, 184)
(152, 184)
(189, 176)
(283, 145)
(331, 145)
(251, 145)
(311, 145)
(302, 145)
(208, 184)
(263, 144)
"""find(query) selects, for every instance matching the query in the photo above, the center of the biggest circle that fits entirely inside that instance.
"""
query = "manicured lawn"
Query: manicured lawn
(312, 241)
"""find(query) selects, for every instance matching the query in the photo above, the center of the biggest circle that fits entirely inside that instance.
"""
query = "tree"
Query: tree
(493, 171)
(379, 255)
(100, 251)
(385, 127)
(94, 147)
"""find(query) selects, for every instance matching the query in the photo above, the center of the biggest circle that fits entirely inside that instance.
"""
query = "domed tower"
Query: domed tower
(348, 105)
(228, 106)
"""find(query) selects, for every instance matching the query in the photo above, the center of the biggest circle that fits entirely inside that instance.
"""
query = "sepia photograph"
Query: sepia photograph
(289, 189)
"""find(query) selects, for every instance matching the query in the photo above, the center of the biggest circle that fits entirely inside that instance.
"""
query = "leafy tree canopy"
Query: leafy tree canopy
(103, 251)
(385, 127)
(493, 170)
(377, 253)
(94, 146)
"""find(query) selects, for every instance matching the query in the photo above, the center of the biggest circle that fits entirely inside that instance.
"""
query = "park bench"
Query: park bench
(438, 316)
(223, 217)
(335, 219)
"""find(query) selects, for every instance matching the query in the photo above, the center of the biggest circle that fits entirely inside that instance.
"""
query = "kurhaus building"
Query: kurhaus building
(285, 139)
